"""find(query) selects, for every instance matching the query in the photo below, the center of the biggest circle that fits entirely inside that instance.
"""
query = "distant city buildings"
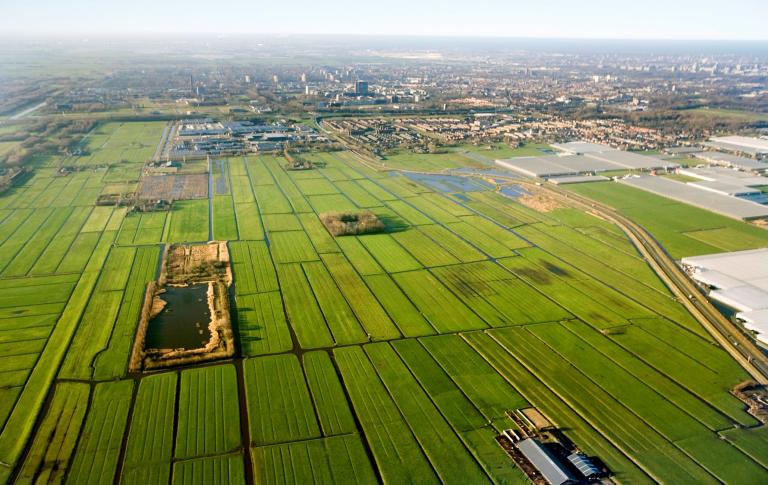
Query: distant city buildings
(361, 88)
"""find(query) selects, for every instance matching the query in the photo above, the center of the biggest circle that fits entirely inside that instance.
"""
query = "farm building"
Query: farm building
(549, 467)
(738, 280)
(584, 465)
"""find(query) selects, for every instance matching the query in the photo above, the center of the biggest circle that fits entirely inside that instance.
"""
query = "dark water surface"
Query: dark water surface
(184, 320)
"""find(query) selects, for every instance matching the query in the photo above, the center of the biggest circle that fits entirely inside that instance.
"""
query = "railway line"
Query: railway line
(725, 332)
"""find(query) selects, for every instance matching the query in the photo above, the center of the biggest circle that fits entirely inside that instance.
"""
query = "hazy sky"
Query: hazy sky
(632, 19)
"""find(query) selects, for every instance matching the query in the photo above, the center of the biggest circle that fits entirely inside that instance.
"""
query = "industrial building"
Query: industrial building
(546, 464)
(757, 147)
(730, 182)
(203, 137)
(711, 200)
(578, 158)
(576, 179)
(580, 147)
(738, 280)
(733, 161)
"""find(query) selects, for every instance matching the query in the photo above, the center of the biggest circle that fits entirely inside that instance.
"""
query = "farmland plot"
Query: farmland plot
(304, 315)
(188, 221)
(208, 415)
(443, 310)
(450, 459)
(465, 419)
(338, 315)
(98, 450)
(253, 268)
(291, 247)
(398, 455)
(330, 402)
(150, 438)
(338, 459)
(389, 253)
(262, 324)
(535, 392)
(279, 406)
(368, 311)
(215, 470)
(53, 445)
(405, 315)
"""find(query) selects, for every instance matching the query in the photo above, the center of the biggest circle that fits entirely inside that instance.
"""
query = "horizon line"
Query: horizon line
(26, 34)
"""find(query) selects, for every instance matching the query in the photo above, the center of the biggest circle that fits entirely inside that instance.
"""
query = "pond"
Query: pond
(183, 323)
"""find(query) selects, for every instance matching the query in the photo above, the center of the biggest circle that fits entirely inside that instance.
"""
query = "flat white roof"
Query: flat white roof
(742, 298)
(741, 277)
(570, 164)
(717, 279)
(756, 144)
(575, 179)
(734, 160)
(743, 265)
(720, 203)
(756, 321)
(631, 160)
(724, 188)
(726, 175)
(582, 147)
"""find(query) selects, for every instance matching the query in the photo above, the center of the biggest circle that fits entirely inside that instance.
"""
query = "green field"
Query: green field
(682, 229)
(378, 358)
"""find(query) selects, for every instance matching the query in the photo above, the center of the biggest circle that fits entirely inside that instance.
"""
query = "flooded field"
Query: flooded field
(183, 323)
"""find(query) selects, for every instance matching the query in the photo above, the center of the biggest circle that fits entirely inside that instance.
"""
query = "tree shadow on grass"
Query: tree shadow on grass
(393, 223)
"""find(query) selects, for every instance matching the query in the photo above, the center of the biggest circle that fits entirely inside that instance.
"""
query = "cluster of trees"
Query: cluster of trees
(351, 223)
(45, 137)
